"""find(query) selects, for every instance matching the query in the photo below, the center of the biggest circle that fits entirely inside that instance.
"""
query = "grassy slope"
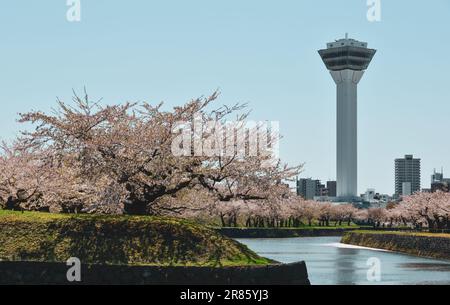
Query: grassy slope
(139, 240)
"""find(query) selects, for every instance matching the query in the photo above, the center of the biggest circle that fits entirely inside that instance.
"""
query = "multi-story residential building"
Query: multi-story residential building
(407, 175)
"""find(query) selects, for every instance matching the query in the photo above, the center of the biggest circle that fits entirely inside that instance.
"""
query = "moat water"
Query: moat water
(331, 263)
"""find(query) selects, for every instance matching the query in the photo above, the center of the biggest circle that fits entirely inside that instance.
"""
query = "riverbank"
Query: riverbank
(284, 232)
(430, 245)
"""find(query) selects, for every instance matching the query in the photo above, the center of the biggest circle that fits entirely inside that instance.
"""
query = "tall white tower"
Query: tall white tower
(347, 59)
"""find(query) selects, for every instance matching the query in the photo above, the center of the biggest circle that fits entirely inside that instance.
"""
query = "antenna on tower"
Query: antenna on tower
(346, 35)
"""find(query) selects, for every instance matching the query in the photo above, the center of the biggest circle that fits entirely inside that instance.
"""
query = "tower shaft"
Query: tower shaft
(346, 131)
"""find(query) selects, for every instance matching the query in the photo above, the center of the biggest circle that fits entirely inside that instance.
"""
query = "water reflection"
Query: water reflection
(345, 265)
(330, 262)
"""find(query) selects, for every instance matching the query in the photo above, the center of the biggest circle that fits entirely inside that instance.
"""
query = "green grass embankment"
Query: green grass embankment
(117, 240)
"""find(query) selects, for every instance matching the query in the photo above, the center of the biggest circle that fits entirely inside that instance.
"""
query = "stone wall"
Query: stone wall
(421, 245)
(55, 273)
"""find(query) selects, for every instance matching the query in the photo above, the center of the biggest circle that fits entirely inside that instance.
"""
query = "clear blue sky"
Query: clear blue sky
(260, 52)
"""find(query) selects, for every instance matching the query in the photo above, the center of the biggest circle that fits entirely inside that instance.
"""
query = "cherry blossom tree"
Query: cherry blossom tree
(32, 181)
(376, 216)
(325, 213)
(361, 216)
(344, 212)
(89, 157)
(425, 209)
